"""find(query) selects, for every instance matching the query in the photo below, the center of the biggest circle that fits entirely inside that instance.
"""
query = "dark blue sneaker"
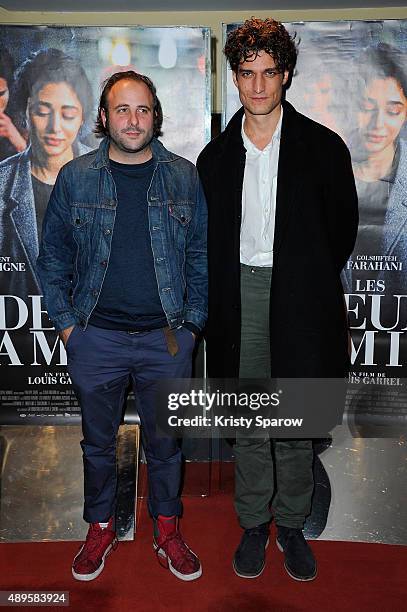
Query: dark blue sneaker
(249, 559)
(299, 561)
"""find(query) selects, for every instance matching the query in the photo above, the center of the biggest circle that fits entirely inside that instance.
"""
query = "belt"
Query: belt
(172, 344)
(143, 331)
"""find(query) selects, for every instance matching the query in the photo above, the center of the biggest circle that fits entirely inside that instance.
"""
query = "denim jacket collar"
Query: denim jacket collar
(160, 153)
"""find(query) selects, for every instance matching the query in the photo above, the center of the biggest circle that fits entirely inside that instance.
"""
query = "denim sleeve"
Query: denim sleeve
(56, 257)
(196, 264)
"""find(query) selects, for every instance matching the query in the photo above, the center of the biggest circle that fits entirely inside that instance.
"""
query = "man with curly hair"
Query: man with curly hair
(283, 219)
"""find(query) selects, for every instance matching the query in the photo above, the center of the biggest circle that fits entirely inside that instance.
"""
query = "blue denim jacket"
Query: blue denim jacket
(79, 225)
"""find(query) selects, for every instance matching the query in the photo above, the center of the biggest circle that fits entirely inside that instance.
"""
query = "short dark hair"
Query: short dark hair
(51, 66)
(257, 35)
(6, 66)
(100, 130)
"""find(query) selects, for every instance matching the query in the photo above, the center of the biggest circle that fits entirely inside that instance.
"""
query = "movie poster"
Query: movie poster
(352, 77)
(50, 81)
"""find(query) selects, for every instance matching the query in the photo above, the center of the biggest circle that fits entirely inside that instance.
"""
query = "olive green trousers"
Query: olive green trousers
(278, 471)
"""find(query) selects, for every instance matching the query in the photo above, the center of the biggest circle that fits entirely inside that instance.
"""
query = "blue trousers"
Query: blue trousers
(101, 363)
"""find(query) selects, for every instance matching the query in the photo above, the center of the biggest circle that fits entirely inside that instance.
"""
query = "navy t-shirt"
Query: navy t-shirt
(129, 299)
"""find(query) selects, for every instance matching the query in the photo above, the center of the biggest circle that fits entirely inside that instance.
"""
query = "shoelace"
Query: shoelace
(176, 549)
(251, 543)
(93, 543)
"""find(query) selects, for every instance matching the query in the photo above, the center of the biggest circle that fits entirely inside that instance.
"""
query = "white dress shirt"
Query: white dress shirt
(259, 200)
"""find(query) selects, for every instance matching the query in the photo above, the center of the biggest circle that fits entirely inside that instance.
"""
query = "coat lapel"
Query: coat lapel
(232, 178)
(236, 158)
(23, 210)
(290, 172)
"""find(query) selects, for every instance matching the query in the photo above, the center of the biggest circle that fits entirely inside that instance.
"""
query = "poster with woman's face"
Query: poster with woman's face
(50, 84)
(351, 76)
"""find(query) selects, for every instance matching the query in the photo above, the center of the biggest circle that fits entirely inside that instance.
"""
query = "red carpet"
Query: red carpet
(354, 577)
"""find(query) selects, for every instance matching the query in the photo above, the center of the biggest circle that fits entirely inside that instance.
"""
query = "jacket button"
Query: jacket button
(108, 231)
(103, 263)
(94, 292)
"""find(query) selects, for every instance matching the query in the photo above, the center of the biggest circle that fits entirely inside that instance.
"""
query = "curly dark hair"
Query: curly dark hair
(100, 130)
(261, 35)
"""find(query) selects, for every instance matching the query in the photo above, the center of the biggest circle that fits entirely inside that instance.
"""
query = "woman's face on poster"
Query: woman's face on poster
(56, 116)
(382, 114)
(317, 94)
(4, 94)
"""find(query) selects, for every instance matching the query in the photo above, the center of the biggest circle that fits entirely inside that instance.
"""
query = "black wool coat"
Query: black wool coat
(315, 231)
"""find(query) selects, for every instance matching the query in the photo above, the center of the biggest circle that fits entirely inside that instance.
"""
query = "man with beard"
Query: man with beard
(123, 269)
(282, 212)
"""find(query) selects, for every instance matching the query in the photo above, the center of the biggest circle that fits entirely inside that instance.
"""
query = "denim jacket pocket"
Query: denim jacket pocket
(180, 216)
(182, 213)
(82, 232)
(81, 214)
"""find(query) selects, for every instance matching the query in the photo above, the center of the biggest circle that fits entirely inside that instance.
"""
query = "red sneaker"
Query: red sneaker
(181, 561)
(90, 560)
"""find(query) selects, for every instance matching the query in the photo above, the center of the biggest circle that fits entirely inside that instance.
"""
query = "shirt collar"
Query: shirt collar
(250, 147)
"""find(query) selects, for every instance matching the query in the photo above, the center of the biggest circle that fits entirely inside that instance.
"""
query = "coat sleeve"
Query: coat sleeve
(342, 203)
(201, 164)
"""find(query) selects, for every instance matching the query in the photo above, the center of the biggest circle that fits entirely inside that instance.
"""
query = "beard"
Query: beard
(128, 145)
